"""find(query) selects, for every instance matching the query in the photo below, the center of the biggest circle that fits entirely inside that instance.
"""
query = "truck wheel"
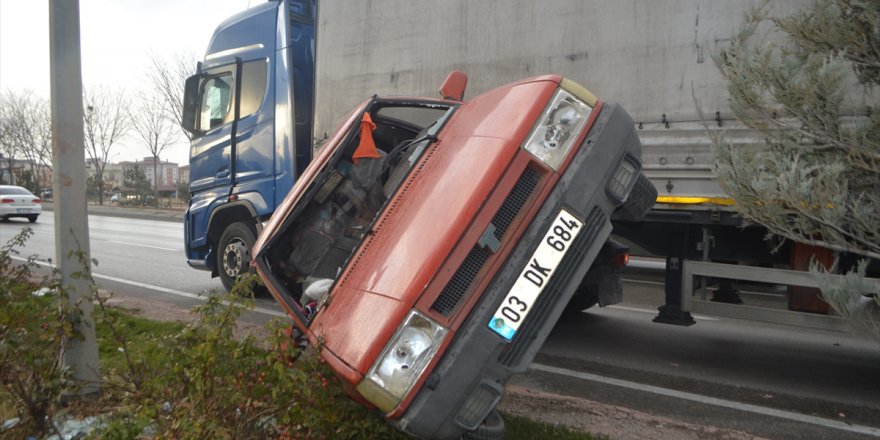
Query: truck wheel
(491, 429)
(234, 253)
(640, 201)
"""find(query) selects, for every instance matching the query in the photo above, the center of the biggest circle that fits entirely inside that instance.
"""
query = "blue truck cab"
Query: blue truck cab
(249, 111)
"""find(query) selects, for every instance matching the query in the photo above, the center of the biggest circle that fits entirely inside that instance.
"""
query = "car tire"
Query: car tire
(641, 199)
(234, 253)
(32, 218)
(491, 429)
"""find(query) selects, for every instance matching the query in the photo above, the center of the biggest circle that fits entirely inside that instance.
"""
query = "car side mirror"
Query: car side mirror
(454, 85)
(189, 116)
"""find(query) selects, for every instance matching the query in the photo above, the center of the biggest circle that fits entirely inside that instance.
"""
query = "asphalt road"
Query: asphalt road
(135, 256)
(133, 249)
(767, 380)
(831, 377)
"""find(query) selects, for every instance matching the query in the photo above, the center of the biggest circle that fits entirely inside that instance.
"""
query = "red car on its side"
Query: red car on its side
(433, 243)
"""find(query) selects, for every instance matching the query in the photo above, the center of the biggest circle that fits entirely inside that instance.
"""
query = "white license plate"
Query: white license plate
(20, 210)
(534, 277)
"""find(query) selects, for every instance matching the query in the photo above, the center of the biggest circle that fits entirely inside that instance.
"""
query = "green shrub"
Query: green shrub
(34, 331)
(203, 382)
(169, 380)
(165, 380)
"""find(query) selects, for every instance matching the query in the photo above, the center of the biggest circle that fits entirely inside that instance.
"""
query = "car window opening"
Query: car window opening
(314, 247)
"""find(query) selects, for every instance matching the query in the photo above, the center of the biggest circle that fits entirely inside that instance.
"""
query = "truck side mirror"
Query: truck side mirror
(189, 116)
(454, 85)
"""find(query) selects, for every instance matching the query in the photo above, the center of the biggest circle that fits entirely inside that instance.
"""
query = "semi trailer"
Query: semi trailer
(319, 60)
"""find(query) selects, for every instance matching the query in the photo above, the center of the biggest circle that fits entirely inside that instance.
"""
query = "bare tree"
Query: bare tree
(106, 122)
(25, 132)
(156, 131)
(37, 141)
(8, 147)
(168, 76)
(816, 177)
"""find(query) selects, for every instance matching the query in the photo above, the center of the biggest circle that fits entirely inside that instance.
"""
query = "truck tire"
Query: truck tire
(491, 429)
(640, 201)
(234, 253)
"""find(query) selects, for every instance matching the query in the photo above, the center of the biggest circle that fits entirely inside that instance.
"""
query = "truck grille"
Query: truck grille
(512, 354)
(461, 281)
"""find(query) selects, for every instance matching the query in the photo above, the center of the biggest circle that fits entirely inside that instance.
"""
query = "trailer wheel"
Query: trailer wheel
(491, 429)
(234, 253)
(640, 201)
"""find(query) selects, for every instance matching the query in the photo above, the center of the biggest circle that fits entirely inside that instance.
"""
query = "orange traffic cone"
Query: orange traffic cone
(367, 147)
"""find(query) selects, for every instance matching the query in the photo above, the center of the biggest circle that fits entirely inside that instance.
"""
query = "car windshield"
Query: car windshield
(14, 191)
(314, 243)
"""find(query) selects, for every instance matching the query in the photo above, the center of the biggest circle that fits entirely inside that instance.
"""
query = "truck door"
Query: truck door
(211, 147)
(231, 150)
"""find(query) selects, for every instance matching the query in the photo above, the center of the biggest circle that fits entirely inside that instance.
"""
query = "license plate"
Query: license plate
(23, 210)
(534, 277)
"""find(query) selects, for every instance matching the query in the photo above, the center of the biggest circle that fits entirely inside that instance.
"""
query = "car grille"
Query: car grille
(512, 354)
(455, 290)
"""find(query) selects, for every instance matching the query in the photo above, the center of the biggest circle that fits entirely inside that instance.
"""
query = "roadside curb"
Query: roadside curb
(136, 213)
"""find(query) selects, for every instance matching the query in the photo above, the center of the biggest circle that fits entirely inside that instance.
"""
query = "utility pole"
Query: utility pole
(69, 186)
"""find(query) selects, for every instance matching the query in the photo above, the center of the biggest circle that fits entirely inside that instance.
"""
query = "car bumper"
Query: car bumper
(468, 380)
(18, 211)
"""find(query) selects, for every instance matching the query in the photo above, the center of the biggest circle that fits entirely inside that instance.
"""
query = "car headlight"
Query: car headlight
(558, 128)
(402, 362)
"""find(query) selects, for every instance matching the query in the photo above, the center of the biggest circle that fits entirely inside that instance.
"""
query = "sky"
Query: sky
(117, 38)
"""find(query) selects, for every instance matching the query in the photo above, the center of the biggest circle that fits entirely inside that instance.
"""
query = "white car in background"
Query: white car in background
(16, 201)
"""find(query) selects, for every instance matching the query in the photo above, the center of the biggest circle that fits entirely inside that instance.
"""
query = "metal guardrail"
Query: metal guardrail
(690, 269)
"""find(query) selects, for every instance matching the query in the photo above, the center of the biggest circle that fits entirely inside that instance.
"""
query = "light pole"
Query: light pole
(69, 184)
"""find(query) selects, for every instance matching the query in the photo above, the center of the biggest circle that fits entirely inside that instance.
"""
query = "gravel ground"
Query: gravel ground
(582, 415)
(614, 422)
(165, 311)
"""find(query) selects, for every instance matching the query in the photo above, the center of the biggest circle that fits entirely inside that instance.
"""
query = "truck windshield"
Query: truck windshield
(343, 201)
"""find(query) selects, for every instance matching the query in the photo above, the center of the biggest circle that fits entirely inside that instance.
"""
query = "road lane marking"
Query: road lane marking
(636, 309)
(707, 400)
(143, 245)
(156, 288)
(653, 283)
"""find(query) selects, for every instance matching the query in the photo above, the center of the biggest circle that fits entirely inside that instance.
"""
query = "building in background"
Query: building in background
(20, 172)
(114, 176)
(184, 174)
(167, 175)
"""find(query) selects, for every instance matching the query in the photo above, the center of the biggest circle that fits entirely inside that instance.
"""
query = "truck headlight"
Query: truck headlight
(556, 130)
(402, 361)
